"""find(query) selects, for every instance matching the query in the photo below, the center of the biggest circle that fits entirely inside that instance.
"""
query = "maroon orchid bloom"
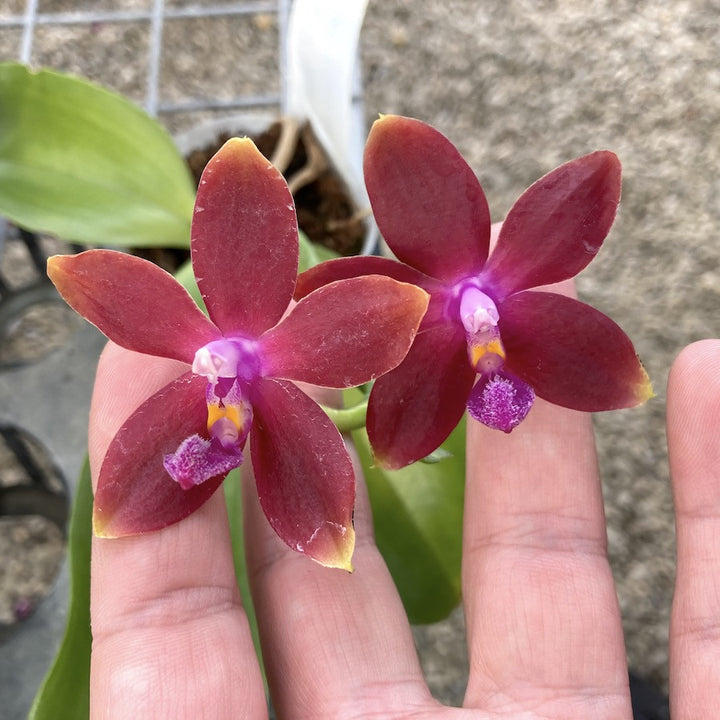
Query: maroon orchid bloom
(487, 343)
(172, 454)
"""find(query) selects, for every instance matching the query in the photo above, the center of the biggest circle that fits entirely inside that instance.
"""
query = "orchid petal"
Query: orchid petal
(304, 476)
(570, 353)
(414, 408)
(345, 333)
(427, 202)
(244, 240)
(357, 266)
(557, 225)
(133, 302)
(135, 494)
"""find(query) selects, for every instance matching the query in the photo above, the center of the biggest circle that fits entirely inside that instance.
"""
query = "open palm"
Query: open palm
(171, 639)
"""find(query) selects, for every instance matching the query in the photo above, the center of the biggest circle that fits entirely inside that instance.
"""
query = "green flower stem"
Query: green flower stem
(348, 419)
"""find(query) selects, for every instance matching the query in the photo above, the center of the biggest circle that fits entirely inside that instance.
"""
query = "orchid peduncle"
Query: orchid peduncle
(350, 418)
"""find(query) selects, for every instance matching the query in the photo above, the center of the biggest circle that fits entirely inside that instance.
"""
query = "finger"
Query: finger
(693, 425)
(170, 638)
(543, 621)
(335, 644)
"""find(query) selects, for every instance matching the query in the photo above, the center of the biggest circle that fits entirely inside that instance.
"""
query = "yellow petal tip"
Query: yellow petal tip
(645, 389)
(100, 526)
(333, 547)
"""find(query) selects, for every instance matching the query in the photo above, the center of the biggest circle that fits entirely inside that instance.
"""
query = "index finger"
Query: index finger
(170, 638)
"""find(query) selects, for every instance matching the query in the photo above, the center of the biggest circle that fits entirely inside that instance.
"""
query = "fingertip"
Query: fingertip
(694, 390)
(695, 366)
(693, 422)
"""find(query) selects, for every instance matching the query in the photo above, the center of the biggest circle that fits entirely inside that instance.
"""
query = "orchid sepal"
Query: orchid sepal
(414, 408)
(242, 201)
(133, 302)
(427, 201)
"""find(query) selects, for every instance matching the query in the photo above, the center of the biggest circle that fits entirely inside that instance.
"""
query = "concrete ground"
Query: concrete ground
(521, 86)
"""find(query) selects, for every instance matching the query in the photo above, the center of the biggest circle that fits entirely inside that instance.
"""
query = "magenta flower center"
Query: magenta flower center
(231, 365)
(499, 399)
(479, 317)
(228, 358)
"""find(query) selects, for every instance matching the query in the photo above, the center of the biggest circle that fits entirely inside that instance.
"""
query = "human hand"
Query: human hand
(544, 634)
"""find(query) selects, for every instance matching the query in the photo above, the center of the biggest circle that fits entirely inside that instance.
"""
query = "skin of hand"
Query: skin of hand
(170, 637)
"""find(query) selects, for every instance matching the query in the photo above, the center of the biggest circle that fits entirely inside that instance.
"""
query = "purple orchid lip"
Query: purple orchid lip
(229, 420)
(500, 401)
(198, 460)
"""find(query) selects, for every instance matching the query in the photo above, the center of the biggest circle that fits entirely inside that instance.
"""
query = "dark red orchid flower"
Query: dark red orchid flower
(172, 454)
(487, 343)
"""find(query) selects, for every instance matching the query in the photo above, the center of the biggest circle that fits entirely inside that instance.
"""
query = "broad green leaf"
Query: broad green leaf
(417, 513)
(88, 165)
(65, 692)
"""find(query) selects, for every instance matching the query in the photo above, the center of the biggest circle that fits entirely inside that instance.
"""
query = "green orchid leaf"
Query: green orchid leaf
(233, 500)
(417, 512)
(184, 275)
(65, 692)
(312, 254)
(88, 165)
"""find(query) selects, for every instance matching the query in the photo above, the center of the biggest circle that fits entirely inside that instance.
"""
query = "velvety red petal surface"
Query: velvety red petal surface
(557, 225)
(304, 476)
(345, 333)
(415, 407)
(244, 240)
(427, 202)
(357, 266)
(135, 494)
(133, 302)
(570, 353)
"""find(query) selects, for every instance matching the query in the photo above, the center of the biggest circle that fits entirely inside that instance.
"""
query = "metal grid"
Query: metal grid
(155, 16)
